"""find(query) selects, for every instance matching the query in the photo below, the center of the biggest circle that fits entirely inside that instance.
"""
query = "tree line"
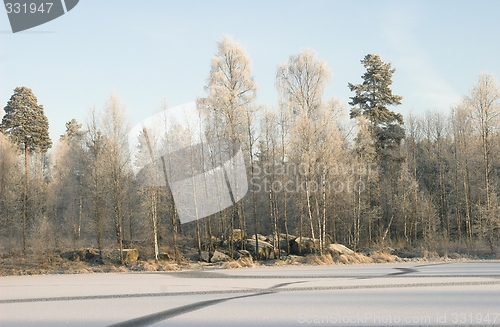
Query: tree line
(376, 179)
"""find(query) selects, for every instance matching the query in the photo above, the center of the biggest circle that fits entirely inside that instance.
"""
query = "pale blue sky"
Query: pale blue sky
(147, 50)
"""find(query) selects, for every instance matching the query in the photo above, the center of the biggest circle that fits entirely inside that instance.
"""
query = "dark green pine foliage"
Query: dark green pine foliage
(373, 97)
(25, 122)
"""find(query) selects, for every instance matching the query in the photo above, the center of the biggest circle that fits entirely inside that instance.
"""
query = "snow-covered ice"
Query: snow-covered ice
(360, 295)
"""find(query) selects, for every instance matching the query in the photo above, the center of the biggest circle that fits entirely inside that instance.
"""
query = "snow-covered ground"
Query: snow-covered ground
(358, 295)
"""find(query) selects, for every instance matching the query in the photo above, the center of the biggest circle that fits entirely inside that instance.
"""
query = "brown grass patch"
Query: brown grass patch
(319, 260)
(292, 260)
(329, 259)
(240, 263)
(150, 265)
(431, 255)
(381, 257)
(231, 265)
(246, 262)
(361, 258)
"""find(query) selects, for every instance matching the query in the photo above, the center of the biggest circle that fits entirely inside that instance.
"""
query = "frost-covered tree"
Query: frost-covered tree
(115, 127)
(68, 185)
(484, 103)
(231, 88)
(10, 187)
(96, 144)
(462, 129)
(308, 125)
(301, 82)
(27, 126)
(231, 91)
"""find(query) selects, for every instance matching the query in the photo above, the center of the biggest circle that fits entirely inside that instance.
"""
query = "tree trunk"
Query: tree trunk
(25, 199)
(80, 211)
(309, 211)
(255, 228)
(118, 228)
(154, 219)
(486, 157)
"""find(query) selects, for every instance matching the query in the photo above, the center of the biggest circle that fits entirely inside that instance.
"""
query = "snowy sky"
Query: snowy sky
(148, 50)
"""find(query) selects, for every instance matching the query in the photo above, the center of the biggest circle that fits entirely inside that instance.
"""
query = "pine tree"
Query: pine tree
(28, 127)
(374, 95)
(372, 99)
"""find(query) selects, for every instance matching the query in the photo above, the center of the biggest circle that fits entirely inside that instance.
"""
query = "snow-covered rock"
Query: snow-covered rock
(305, 245)
(340, 249)
(205, 256)
(265, 248)
(219, 257)
(243, 254)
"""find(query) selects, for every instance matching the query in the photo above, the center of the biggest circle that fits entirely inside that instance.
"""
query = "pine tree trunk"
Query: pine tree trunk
(369, 196)
(25, 200)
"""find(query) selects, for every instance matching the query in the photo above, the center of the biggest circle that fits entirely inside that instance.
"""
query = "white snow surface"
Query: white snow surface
(437, 294)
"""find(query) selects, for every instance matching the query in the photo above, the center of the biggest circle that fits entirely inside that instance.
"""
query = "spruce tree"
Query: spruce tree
(28, 127)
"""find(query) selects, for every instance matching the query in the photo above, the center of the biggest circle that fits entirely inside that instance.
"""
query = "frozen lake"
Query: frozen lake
(438, 294)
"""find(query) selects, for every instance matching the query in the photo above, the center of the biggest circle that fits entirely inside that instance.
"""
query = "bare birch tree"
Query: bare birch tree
(11, 184)
(231, 90)
(484, 102)
(300, 83)
(115, 127)
(96, 145)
